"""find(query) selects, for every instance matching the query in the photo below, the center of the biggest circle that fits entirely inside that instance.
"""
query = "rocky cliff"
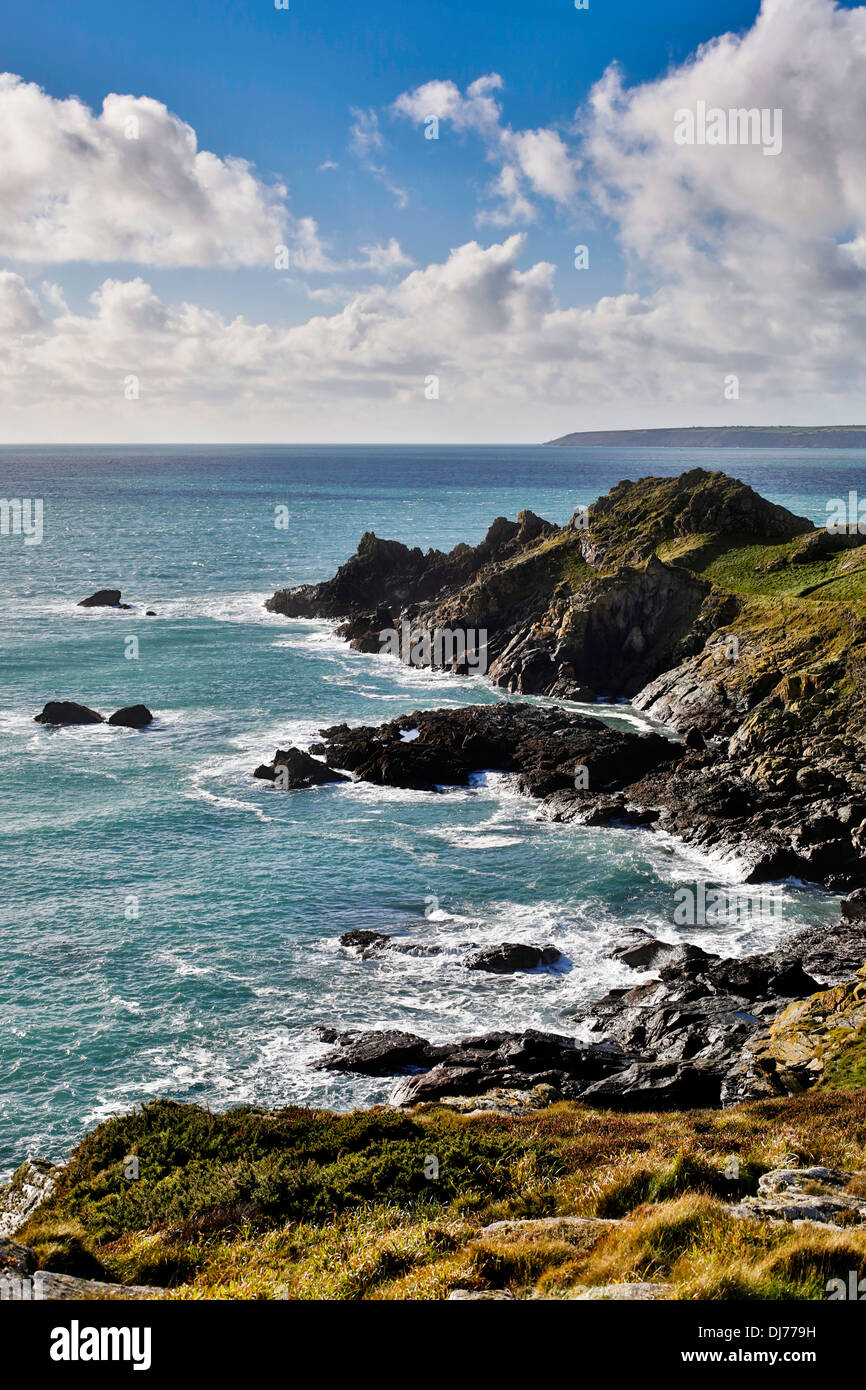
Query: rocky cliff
(728, 618)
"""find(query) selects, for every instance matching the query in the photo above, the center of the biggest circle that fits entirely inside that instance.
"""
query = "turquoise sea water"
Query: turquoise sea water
(211, 992)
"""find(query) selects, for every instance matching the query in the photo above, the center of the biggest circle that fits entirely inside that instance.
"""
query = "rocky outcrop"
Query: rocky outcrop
(819, 1040)
(721, 1016)
(825, 1195)
(511, 956)
(292, 769)
(693, 1033)
(509, 1061)
(132, 717)
(583, 770)
(103, 598)
(67, 712)
(543, 746)
(568, 611)
(683, 594)
(29, 1186)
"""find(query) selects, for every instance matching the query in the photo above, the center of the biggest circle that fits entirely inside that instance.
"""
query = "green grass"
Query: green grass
(306, 1204)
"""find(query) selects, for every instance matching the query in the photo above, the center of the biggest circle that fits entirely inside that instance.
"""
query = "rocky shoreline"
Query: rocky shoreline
(737, 625)
(699, 1031)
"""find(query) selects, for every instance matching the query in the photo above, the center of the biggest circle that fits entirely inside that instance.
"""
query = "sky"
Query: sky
(461, 222)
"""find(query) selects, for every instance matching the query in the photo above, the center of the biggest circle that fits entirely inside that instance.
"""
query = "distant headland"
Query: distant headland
(723, 437)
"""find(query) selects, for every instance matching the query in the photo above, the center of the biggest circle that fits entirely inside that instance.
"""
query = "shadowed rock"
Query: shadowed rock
(132, 717)
(292, 770)
(103, 598)
(68, 712)
(510, 956)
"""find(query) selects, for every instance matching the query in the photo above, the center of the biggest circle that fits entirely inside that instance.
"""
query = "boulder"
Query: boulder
(807, 1194)
(510, 956)
(67, 712)
(103, 598)
(640, 949)
(377, 1054)
(292, 769)
(854, 906)
(132, 717)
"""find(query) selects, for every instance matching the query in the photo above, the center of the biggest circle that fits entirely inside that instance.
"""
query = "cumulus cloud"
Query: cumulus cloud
(738, 264)
(125, 184)
(531, 161)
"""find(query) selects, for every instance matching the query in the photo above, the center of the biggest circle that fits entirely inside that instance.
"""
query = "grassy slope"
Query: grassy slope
(306, 1204)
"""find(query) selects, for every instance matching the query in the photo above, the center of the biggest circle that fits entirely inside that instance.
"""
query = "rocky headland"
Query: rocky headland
(734, 623)
(740, 629)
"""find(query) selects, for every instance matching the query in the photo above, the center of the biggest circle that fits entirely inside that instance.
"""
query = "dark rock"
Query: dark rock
(292, 770)
(854, 906)
(656, 1086)
(509, 956)
(103, 598)
(67, 712)
(640, 949)
(542, 745)
(377, 1054)
(366, 943)
(150, 613)
(132, 717)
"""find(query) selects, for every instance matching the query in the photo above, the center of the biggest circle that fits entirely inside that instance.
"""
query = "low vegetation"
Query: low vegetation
(308, 1204)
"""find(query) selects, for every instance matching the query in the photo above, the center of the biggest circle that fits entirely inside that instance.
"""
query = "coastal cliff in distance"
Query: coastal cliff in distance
(721, 437)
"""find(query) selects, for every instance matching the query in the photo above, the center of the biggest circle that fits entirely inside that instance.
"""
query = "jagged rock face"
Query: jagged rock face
(388, 574)
(771, 694)
(292, 770)
(543, 746)
(635, 517)
(813, 1041)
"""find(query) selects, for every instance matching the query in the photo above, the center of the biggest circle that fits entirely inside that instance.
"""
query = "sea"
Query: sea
(169, 926)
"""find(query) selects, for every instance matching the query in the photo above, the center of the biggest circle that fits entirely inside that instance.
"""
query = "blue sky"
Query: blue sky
(306, 97)
(277, 87)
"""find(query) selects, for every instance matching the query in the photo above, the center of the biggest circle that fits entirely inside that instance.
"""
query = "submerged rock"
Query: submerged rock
(67, 712)
(366, 943)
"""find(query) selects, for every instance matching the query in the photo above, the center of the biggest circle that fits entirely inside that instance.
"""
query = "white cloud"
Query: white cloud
(367, 143)
(739, 264)
(127, 184)
(532, 161)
